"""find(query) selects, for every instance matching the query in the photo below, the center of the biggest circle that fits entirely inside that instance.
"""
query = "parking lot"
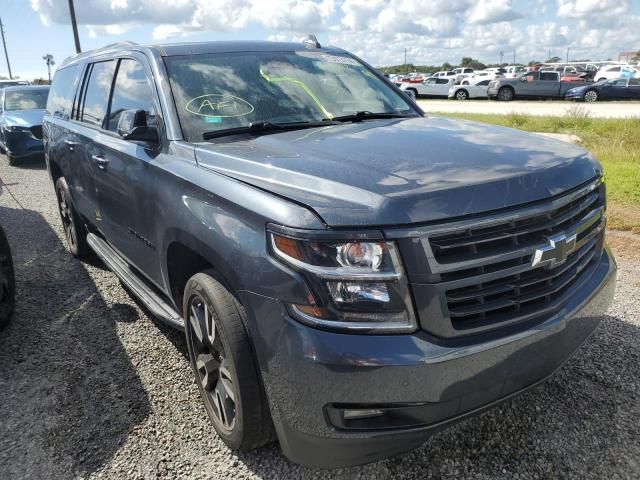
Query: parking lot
(553, 108)
(92, 387)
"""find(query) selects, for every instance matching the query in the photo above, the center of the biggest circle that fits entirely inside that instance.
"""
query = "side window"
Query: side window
(614, 69)
(483, 83)
(549, 76)
(62, 91)
(442, 81)
(96, 96)
(634, 82)
(131, 91)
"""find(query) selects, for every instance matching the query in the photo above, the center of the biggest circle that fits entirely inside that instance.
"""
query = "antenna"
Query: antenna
(312, 41)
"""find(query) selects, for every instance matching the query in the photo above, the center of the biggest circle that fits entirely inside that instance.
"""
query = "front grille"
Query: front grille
(487, 280)
(36, 131)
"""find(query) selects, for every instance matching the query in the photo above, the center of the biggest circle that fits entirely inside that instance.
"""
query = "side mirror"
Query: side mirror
(132, 125)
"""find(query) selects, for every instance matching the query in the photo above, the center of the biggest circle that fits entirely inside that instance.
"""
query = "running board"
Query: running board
(154, 302)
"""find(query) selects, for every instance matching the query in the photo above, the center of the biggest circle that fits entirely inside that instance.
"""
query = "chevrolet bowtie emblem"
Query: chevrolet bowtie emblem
(556, 251)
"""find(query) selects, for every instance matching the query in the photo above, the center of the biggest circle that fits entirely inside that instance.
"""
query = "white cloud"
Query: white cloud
(586, 8)
(432, 31)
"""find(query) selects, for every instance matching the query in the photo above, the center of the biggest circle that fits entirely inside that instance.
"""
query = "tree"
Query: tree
(446, 66)
(472, 63)
(554, 60)
(48, 58)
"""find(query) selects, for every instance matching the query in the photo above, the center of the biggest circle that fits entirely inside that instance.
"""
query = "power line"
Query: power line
(4, 43)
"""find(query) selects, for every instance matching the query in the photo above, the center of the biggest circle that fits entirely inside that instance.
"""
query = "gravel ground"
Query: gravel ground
(92, 387)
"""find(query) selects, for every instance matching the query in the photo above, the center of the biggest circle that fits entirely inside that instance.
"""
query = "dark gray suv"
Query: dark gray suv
(351, 275)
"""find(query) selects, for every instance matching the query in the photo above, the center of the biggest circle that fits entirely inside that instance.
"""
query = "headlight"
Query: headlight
(17, 128)
(357, 284)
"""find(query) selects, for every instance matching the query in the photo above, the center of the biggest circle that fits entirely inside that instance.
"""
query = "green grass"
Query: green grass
(615, 142)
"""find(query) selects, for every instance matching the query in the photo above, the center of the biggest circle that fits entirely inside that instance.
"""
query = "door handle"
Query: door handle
(70, 144)
(101, 161)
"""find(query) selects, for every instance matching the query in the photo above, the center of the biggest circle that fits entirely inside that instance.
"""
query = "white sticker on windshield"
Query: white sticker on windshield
(340, 60)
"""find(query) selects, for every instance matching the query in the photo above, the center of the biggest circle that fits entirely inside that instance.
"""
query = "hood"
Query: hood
(24, 118)
(402, 171)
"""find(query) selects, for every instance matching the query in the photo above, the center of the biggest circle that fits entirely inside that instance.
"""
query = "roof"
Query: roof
(195, 48)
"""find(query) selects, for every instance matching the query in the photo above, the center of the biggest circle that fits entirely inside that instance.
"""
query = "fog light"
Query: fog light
(363, 413)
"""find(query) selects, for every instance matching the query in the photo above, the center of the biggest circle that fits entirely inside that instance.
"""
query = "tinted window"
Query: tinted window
(96, 97)
(622, 82)
(483, 83)
(62, 91)
(27, 99)
(634, 82)
(131, 91)
(551, 76)
(442, 81)
(613, 69)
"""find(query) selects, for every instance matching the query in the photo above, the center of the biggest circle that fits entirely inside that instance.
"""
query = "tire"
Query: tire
(590, 96)
(505, 94)
(13, 161)
(7, 282)
(415, 92)
(462, 94)
(74, 229)
(224, 364)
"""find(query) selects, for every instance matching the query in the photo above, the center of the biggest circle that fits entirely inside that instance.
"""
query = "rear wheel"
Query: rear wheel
(13, 161)
(590, 96)
(414, 91)
(462, 94)
(601, 79)
(224, 364)
(505, 94)
(74, 229)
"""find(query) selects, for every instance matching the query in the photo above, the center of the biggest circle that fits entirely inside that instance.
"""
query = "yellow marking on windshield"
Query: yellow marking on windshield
(302, 85)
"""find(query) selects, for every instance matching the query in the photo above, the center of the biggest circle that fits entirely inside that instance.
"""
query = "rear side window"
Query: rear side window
(131, 91)
(549, 76)
(442, 81)
(96, 97)
(62, 92)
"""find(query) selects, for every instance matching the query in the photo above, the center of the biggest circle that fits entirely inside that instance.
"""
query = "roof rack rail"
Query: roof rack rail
(312, 41)
(106, 48)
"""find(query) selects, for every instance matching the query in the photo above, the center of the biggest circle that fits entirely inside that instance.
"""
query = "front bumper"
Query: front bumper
(307, 371)
(23, 144)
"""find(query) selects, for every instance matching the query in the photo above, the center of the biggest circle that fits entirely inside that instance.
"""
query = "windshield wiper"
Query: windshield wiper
(261, 127)
(366, 115)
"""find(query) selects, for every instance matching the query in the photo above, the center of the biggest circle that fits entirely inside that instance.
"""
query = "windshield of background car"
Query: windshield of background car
(221, 91)
(25, 99)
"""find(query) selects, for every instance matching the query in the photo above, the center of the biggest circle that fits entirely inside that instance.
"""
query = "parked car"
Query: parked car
(613, 72)
(444, 74)
(539, 84)
(13, 83)
(620, 89)
(462, 73)
(21, 112)
(465, 92)
(351, 275)
(434, 87)
(514, 71)
(481, 75)
(7, 282)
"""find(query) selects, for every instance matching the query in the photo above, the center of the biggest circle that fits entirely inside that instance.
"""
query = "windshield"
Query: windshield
(222, 91)
(26, 99)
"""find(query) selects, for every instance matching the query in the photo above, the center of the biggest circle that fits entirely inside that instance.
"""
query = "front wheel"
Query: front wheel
(13, 161)
(462, 95)
(7, 282)
(505, 94)
(590, 96)
(224, 364)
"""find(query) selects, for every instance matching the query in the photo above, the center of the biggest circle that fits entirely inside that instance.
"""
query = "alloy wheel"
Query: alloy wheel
(66, 214)
(461, 95)
(591, 96)
(213, 367)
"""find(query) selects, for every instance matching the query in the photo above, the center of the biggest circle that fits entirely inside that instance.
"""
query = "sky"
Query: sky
(432, 31)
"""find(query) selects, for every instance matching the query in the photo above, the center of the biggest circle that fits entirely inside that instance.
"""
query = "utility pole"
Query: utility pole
(72, 12)
(405, 59)
(567, 55)
(514, 55)
(501, 56)
(4, 43)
